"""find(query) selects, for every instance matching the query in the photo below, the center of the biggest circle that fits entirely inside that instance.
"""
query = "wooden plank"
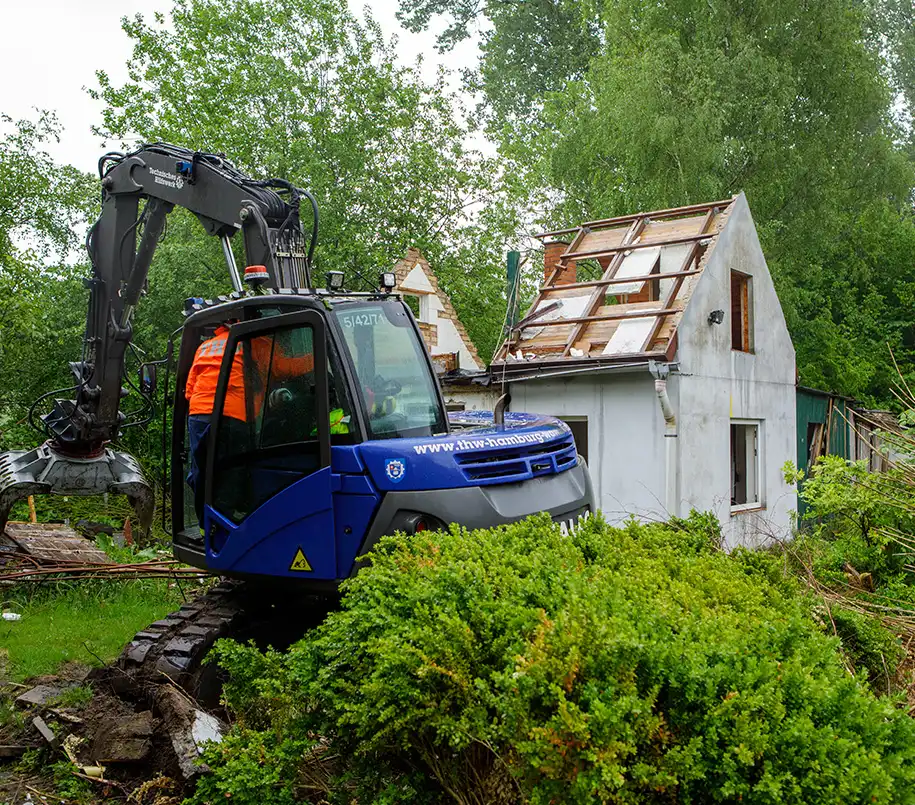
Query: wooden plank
(572, 365)
(552, 337)
(611, 317)
(625, 219)
(598, 293)
(51, 542)
(601, 239)
(678, 283)
(603, 330)
(563, 292)
(616, 280)
(664, 333)
(625, 247)
(665, 230)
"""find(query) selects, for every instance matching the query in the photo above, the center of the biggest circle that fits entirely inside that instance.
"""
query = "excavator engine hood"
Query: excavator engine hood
(475, 453)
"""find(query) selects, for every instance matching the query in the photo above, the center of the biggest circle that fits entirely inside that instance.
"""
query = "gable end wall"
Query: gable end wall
(450, 333)
(717, 384)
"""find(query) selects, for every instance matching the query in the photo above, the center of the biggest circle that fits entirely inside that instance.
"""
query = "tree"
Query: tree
(299, 89)
(800, 106)
(43, 206)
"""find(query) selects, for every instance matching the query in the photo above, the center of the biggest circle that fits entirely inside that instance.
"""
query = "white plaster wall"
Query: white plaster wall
(448, 338)
(717, 384)
(625, 435)
(474, 398)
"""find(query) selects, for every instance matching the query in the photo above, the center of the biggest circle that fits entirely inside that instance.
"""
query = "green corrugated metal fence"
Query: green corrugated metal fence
(827, 410)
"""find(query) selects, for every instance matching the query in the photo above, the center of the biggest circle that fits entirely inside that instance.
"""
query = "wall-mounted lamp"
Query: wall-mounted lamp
(716, 317)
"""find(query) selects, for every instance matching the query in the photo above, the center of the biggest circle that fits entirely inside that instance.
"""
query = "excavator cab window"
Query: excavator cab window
(271, 425)
(397, 387)
(342, 430)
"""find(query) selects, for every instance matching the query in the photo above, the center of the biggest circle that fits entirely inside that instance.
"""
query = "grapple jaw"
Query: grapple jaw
(44, 470)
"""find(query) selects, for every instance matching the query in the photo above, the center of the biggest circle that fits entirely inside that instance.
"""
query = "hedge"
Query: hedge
(518, 664)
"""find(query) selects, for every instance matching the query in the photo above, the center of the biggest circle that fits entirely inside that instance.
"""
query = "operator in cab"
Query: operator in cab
(200, 391)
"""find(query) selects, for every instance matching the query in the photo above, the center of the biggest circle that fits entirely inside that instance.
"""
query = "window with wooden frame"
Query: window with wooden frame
(746, 466)
(741, 312)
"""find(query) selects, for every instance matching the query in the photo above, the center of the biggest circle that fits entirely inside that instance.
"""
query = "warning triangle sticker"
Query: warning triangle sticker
(300, 563)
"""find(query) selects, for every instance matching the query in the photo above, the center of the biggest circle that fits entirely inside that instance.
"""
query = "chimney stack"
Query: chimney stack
(551, 254)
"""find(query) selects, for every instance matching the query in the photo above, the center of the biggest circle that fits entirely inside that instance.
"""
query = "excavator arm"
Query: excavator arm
(139, 190)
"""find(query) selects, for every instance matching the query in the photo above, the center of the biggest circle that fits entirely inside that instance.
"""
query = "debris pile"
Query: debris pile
(110, 740)
(116, 735)
(53, 551)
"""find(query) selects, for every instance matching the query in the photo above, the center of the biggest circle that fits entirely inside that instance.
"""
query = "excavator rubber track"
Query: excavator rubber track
(173, 648)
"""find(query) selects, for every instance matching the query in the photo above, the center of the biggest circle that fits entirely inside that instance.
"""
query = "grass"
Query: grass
(75, 697)
(86, 622)
(10, 715)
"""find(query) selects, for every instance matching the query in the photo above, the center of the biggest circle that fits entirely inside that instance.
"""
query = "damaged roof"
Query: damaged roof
(614, 290)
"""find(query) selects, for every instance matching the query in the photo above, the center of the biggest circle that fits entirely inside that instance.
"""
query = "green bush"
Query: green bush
(867, 644)
(622, 665)
(852, 511)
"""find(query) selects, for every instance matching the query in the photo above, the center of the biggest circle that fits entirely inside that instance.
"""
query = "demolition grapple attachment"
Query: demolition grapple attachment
(44, 470)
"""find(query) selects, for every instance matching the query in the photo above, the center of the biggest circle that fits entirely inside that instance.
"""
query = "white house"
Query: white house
(458, 365)
(659, 338)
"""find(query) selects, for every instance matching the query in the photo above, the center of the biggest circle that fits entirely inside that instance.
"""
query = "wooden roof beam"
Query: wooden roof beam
(625, 247)
(671, 212)
(636, 314)
(619, 281)
(594, 302)
(694, 255)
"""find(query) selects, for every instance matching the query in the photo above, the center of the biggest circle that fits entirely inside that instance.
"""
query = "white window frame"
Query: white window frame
(754, 444)
(425, 308)
(578, 420)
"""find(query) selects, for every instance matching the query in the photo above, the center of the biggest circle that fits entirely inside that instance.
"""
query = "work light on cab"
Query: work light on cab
(256, 275)
(334, 280)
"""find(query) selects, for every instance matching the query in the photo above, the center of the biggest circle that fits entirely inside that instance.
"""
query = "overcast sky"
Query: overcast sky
(53, 48)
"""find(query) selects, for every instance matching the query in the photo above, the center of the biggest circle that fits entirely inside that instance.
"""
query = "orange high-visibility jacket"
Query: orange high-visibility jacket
(200, 388)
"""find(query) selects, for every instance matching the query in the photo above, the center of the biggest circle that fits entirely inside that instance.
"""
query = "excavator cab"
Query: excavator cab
(304, 380)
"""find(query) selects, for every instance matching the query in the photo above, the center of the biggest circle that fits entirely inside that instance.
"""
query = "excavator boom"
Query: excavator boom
(139, 190)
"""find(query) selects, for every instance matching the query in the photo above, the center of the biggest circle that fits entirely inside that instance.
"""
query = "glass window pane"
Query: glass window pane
(397, 387)
(267, 437)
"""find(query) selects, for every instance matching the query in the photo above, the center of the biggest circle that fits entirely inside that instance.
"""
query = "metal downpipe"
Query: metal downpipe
(671, 480)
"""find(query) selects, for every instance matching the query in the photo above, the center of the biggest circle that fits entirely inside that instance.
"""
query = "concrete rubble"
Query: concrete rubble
(188, 728)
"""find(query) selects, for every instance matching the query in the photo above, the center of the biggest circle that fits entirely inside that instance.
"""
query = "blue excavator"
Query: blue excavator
(343, 436)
